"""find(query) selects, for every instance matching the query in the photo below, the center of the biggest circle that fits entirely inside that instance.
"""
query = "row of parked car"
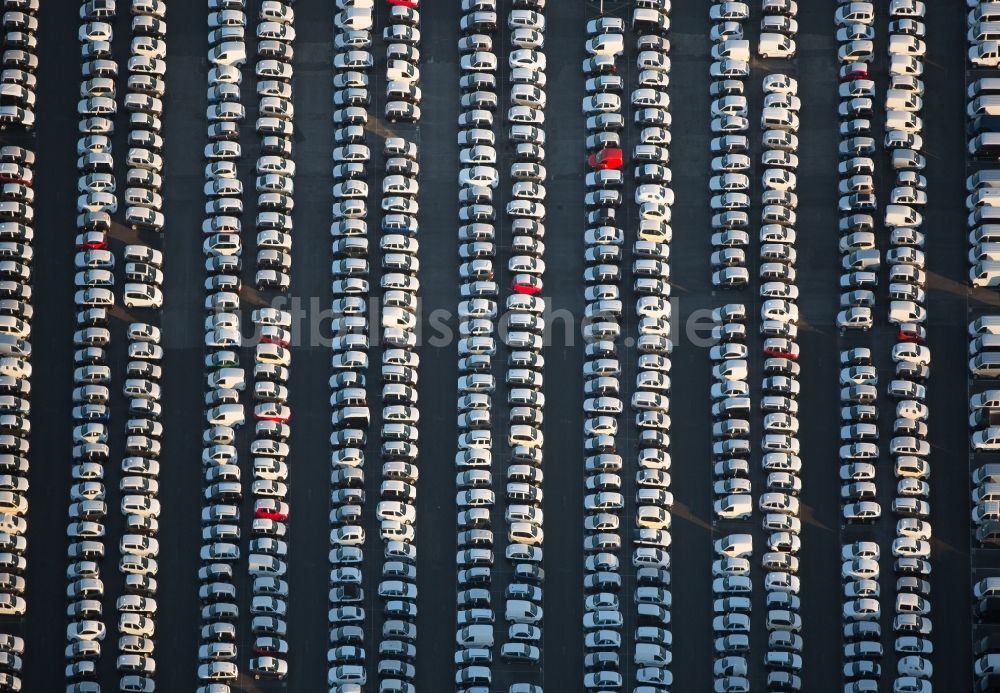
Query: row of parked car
(523, 329)
(346, 657)
(402, 72)
(910, 450)
(860, 255)
(863, 649)
(983, 111)
(729, 184)
(859, 379)
(733, 499)
(94, 297)
(731, 487)
(650, 401)
(400, 417)
(651, 539)
(225, 377)
(982, 185)
(269, 449)
(220, 532)
(16, 238)
(275, 33)
(984, 429)
(984, 42)
(986, 644)
(17, 104)
(144, 101)
(604, 239)
(97, 108)
(778, 29)
(139, 547)
(779, 328)
(477, 313)
(479, 176)
(399, 375)
(903, 101)
(19, 61)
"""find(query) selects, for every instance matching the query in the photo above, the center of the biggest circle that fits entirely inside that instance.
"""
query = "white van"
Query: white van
(906, 311)
(983, 197)
(987, 233)
(775, 118)
(988, 473)
(354, 19)
(902, 100)
(985, 274)
(988, 399)
(979, 32)
(402, 71)
(260, 564)
(734, 49)
(985, 365)
(984, 214)
(272, 353)
(15, 327)
(13, 503)
(987, 324)
(985, 54)
(986, 12)
(228, 53)
(228, 378)
(231, 415)
(984, 252)
(734, 545)
(15, 367)
(903, 120)
(142, 296)
(984, 85)
(528, 436)
(13, 347)
(985, 178)
(902, 216)
(986, 587)
(985, 342)
(775, 46)
(988, 104)
(522, 611)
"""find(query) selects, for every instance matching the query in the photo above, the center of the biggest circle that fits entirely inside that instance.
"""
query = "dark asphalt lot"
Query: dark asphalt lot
(563, 653)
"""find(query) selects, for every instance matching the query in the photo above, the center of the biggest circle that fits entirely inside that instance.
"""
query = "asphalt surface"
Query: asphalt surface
(561, 669)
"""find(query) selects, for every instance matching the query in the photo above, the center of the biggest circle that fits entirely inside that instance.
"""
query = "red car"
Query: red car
(778, 354)
(273, 335)
(270, 646)
(270, 509)
(526, 284)
(19, 181)
(609, 157)
(852, 71)
(912, 332)
(91, 240)
(781, 349)
(272, 411)
(412, 4)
